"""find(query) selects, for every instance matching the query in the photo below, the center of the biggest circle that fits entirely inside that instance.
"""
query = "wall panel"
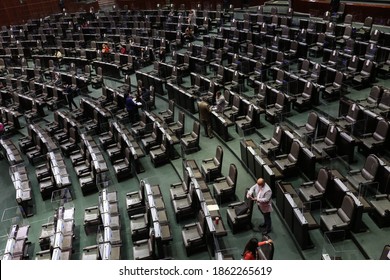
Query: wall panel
(15, 12)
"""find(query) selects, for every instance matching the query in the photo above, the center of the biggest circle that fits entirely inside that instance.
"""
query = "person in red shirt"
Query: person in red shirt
(122, 49)
(248, 255)
(105, 52)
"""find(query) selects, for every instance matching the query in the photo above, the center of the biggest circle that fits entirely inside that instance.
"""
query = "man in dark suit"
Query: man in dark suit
(205, 117)
(69, 95)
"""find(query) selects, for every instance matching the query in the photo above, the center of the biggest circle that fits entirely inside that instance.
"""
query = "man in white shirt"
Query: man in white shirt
(262, 193)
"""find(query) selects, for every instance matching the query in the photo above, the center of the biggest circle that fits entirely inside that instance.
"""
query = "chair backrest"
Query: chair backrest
(280, 57)
(280, 100)
(347, 32)
(385, 100)
(294, 152)
(322, 180)
(381, 130)
(277, 136)
(353, 63)
(280, 75)
(331, 135)
(196, 128)
(385, 253)
(171, 106)
(181, 118)
(353, 112)
(305, 67)
(249, 202)
(219, 155)
(312, 121)
(250, 112)
(370, 167)
(236, 102)
(368, 22)
(375, 34)
(308, 90)
(321, 39)
(251, 49)
(232, 177)
(186, 59)
(334, 56)
(294, 46)
(262, 91)
(348, 19)
(128, 155)
(339, 78)
(330, 27)
(375, 94)
(266, 251)
(347, 209)
(367, 67)
(100, 71)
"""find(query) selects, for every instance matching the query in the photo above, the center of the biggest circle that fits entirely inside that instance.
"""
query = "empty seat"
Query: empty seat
(239, 214)
(246, 124)
(364, 32)
(161, 154)
(178, 127)
(365, 175)
(366, 75)
(179, 190)
(97, 80)
(152, 139)
(384, 104)
(287, 164)
(336, 89)
(318, 48)
(168, 115)
(270, 146)
(326, 146)
(274, 112)
(139, 226)
(145, 249)
(190, 141)
(211, 167)
(373, 142)
(381, 210)
(225, 187)
(183, 207)
(373, 99)
(135, 202)
(123, 167)
(311, 191)
(194, 235)
(307, 98)
(339, 218)
(349, 121)
(231, 112)
(308, 130)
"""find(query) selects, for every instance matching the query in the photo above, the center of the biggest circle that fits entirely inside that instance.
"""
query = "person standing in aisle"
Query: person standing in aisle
(204, 117)
(261, 193)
